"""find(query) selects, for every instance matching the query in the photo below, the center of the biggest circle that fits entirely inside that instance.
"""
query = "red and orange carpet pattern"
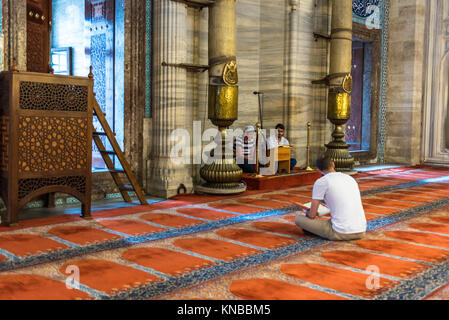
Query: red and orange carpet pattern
(245, 247)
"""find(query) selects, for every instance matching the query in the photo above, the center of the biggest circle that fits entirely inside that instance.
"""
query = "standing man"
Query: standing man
(277, 141)
(341, 194)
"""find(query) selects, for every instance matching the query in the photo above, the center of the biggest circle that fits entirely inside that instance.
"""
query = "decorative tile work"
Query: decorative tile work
(98, 61)
(148, 62)
(383, 81)
(361, 7)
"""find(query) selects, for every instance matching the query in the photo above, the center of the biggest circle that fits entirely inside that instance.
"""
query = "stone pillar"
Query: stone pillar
(340, 82)
(169, 98)
(14, 34)
(134, 81)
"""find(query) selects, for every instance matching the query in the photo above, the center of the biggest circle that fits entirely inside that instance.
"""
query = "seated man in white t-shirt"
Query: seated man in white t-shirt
(341, 194)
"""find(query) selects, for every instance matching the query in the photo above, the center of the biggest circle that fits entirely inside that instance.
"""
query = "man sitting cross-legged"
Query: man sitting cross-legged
(341, 194)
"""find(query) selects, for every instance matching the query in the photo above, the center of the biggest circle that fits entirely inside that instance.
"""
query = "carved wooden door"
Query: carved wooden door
(38, 35)
(100, 17)
(354, 126)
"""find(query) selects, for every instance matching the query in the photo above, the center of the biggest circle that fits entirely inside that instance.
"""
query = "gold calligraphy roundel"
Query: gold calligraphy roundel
(230, 75)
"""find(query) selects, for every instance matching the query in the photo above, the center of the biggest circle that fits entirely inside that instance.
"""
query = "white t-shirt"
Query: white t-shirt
(273, 142)
(341, 194)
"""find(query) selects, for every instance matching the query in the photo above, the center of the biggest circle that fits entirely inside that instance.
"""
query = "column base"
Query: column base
(165, 181)
(344, 162)
(338, 150)
(217, 190)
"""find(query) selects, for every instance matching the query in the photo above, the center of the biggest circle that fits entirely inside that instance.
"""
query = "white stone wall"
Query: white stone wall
(405, 81)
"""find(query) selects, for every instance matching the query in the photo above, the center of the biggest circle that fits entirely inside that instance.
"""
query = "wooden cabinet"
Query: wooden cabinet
(46, 138)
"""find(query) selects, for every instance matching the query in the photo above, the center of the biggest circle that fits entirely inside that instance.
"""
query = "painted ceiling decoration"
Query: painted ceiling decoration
(363, 8)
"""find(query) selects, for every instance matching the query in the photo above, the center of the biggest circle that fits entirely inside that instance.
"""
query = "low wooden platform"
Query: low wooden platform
(296, 178)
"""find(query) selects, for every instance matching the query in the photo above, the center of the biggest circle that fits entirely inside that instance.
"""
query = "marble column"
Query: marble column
(292, 114)
(164, 177)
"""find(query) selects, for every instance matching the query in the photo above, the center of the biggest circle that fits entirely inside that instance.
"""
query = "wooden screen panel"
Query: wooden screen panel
(4, 140)
(46, 138)
(38, 35)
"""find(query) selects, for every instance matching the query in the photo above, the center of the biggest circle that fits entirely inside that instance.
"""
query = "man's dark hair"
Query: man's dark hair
(280, 126)
(324, 163)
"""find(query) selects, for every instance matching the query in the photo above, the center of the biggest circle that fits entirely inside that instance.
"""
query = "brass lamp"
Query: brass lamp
(224, 175)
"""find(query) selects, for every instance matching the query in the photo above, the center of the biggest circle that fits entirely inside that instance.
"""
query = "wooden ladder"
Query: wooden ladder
(105, 154)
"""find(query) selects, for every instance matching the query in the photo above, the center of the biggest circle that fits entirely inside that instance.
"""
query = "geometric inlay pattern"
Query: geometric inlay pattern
(53, 97)
(4, 140)
(27, 186)
(52, 144)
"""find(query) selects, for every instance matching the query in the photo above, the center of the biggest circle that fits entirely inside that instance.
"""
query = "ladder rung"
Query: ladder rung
(102, 133)
(116, 171)
(126, 187)
(99, 133)
(108, 152)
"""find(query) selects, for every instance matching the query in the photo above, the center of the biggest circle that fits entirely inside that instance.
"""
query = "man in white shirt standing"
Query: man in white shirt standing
(274, 142)
(341, 194)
